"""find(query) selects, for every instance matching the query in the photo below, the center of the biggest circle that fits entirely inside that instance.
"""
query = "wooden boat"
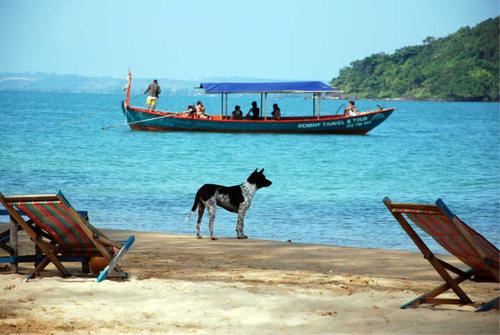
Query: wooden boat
(156, 120)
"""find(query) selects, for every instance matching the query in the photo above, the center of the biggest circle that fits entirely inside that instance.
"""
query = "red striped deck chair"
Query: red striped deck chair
(458, 239)
(11, 247)
(59, 231)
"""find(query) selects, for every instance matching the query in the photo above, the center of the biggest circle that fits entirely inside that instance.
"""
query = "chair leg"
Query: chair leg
(429, 296)
(85, 267)
(60, 267)
(38, 252)
(6, 248)
(50, 257)
(118, 268)
(40, 266)
(450, 283)
(51, 252)
(414, 303)
(13, 237)
(493, 304)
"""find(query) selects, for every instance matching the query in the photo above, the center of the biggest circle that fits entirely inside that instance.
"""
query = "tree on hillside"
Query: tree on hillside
(462, 66)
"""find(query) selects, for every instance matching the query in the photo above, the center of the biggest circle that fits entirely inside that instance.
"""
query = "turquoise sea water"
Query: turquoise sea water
(326, 188)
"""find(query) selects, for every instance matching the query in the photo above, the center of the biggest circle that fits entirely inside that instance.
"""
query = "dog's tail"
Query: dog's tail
(195, 204)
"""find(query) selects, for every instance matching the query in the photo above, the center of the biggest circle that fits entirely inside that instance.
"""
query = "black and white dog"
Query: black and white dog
(236, 199)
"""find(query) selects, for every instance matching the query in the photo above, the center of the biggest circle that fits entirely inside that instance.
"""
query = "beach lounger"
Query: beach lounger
(458, 239)
(61, 234)
(8, 243)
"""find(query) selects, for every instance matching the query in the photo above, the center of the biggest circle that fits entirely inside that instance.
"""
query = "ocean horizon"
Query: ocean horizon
(327, 189)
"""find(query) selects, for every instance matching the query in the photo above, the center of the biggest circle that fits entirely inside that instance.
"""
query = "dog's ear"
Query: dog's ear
(261, 171)
(256, 170)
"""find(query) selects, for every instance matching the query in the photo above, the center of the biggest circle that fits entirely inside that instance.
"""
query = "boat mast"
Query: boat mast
(128, 88)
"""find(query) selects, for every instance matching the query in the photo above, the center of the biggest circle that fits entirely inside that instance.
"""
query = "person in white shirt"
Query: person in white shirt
(351, 110)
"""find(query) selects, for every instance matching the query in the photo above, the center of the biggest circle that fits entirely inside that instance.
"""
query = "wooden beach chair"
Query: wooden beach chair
(458, 239)
(61, 234)
(8, 243)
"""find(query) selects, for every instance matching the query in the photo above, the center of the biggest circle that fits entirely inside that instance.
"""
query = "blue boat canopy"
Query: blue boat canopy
(284, 87)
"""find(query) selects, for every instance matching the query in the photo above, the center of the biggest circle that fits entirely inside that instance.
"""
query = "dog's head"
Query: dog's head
(258, 178)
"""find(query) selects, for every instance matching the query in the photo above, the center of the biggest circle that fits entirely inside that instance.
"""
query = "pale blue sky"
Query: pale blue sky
(278, 39)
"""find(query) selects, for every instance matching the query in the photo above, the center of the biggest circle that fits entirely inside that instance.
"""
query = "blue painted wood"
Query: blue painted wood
(412, 303)
(35, 258)
(493, 304)
(444, 208)
(4, 237)
(273, 87)
(104, 273)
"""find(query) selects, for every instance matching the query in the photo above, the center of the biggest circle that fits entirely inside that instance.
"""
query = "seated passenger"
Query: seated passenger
(254, 111)
(351, 110)
(237, 113)
(191, 110)
(276, 113)
(200, 111)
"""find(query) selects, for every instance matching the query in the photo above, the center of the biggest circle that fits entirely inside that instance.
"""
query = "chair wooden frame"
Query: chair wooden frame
(48, 244)
(443, 268)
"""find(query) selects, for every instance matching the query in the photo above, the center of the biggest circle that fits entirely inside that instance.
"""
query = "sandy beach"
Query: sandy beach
(182, 285)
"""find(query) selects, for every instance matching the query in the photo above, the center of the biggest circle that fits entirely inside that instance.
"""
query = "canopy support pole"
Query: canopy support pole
(226, 104)
(319, 104)
(265, 106)
(222, 105)
(314, 104)
(261, 99)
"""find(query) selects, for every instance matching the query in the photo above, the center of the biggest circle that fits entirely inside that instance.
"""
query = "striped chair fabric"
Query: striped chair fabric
(443, 231)
(60, 222)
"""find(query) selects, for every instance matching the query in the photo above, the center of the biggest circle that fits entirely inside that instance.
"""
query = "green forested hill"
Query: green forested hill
(462, 66)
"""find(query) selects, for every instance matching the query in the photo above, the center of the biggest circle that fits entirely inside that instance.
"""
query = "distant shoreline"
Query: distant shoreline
(170, 94)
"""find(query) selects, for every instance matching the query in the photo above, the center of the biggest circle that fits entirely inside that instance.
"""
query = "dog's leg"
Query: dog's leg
(239, 226)
(211, 205)
(201, 210)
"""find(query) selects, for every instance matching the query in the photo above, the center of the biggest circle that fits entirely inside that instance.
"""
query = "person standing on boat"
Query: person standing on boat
(276, 113)
(237, 113)
(254, 111)
(351, 110)
(153, 92)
